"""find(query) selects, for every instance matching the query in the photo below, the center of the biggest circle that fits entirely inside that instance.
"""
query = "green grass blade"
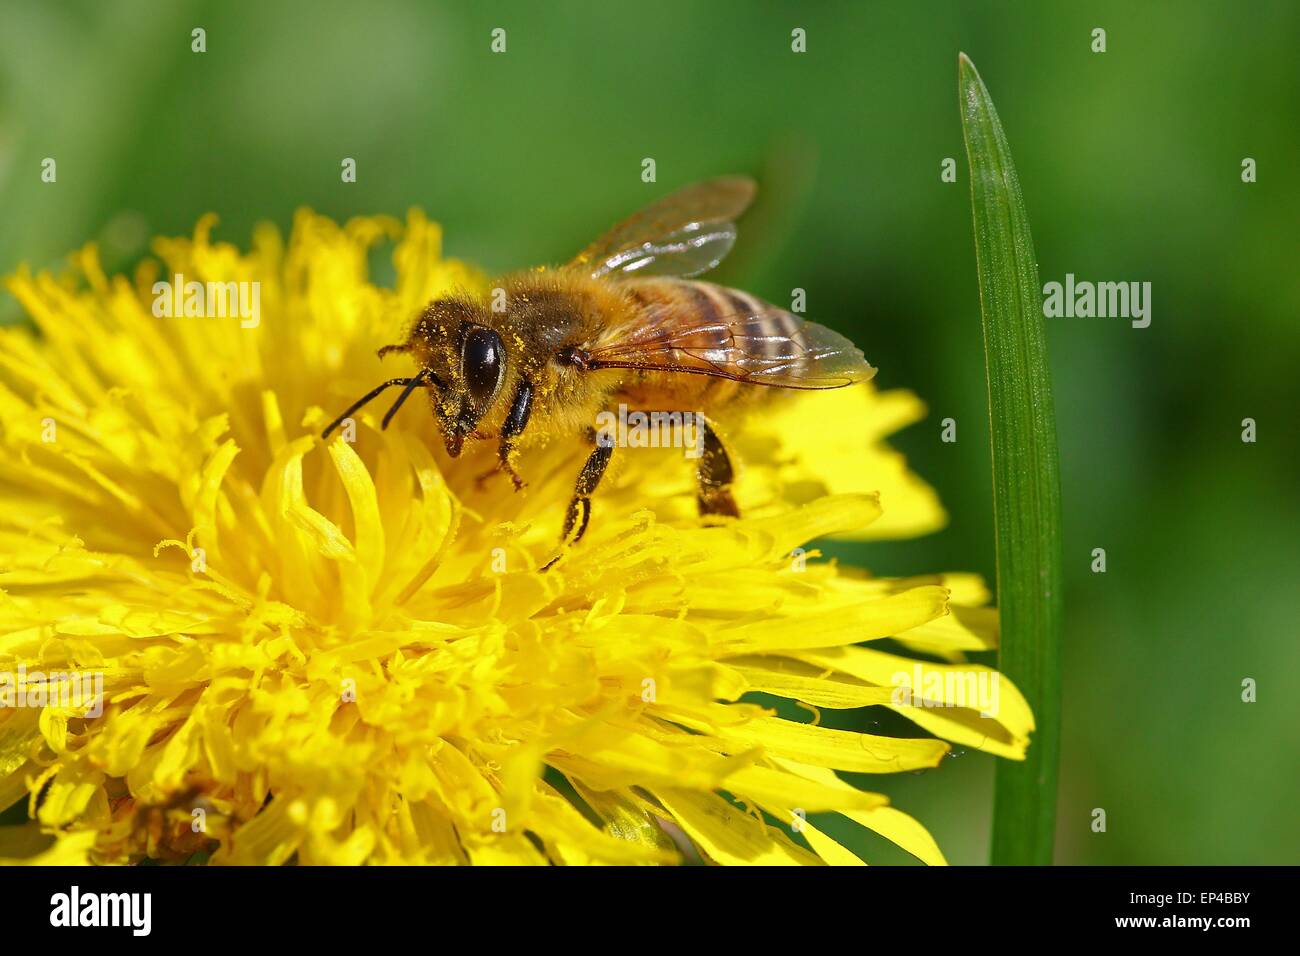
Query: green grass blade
(1026, 475)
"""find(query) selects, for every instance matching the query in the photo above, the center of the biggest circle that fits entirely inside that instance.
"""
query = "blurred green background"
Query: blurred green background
(1130, 163)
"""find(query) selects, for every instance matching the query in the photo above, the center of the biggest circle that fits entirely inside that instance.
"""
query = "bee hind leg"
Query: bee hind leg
(714, 476)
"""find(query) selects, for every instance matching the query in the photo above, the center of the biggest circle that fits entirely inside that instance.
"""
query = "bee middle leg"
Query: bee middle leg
(579, 512)
(714, 476)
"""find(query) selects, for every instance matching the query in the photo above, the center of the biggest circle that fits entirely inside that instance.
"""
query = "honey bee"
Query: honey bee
(623, 322)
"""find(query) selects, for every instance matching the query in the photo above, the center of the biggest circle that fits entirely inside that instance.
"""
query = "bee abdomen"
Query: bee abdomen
(719, 317)
(768, 331)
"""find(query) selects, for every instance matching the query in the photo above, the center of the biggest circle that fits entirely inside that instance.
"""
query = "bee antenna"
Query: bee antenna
(420, 378)
(411, 384)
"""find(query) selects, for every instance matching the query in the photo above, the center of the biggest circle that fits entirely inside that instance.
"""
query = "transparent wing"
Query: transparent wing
(767, 346)
(684, 234)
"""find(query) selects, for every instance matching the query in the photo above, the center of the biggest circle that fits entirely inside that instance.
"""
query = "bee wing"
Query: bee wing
(763, 346)
(684, 234)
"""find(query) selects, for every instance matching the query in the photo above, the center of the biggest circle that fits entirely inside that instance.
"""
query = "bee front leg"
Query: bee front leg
(714, 476)
(504, 463)
(516, 421)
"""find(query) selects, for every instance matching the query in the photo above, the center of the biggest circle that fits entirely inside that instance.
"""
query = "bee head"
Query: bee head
(462, 362)
(465, 359)
(480, 370)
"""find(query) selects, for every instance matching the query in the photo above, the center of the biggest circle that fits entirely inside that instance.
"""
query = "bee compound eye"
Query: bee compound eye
(484, 364)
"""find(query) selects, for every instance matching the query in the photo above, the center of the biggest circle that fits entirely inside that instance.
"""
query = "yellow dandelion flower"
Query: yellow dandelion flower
(346, 652)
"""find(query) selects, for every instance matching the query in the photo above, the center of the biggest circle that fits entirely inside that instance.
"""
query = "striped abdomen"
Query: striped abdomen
(734, 338)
